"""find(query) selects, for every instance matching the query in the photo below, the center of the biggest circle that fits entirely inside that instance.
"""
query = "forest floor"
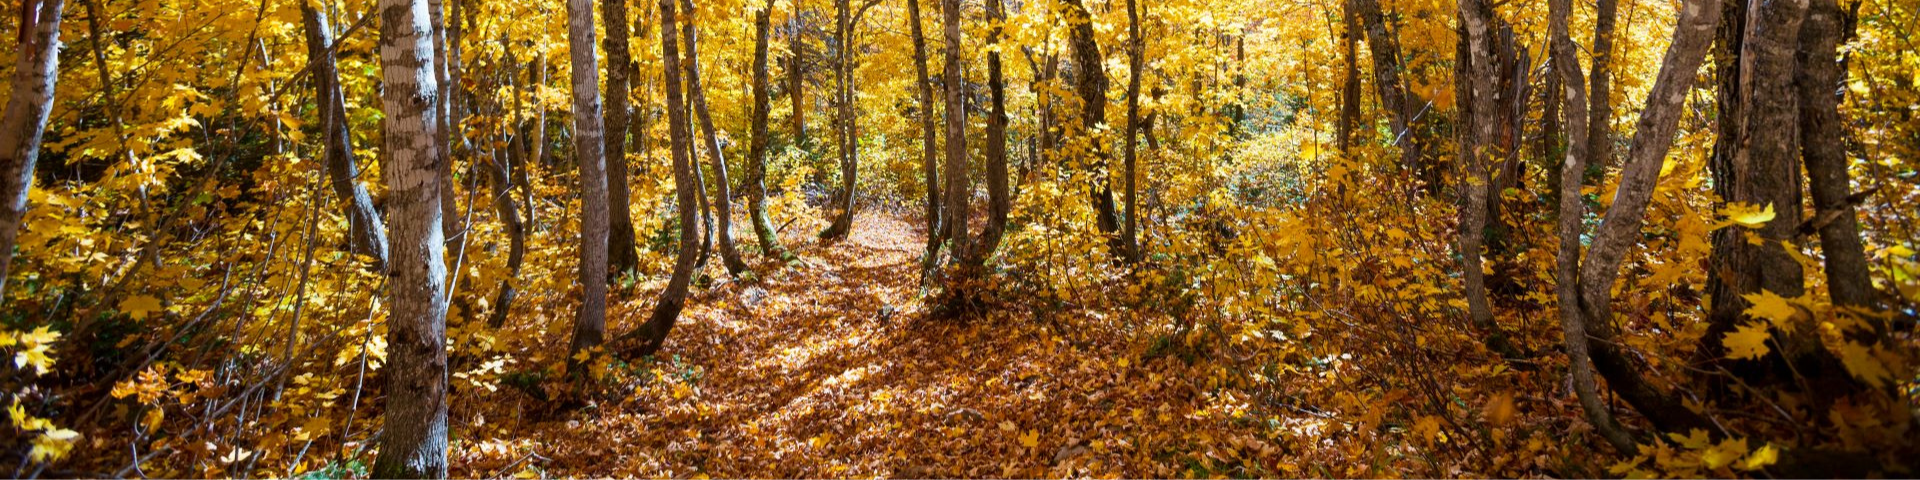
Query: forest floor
(830, 367)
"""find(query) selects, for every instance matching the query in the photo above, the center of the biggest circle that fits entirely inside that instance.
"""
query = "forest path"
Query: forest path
(831, 369)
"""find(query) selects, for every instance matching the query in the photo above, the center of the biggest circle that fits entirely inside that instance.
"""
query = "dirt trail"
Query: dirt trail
(829, 369)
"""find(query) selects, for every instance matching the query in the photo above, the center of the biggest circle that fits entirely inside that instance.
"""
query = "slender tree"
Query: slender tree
(756, 181)
(1090, 83)
(650, 336)
(1403, 109)
(622, 254)
(1135, 67)
(929, 143)
(1818, 81)
(365, 234)
(1476, 149)
(847, 134)
(722, 192)
(1349, 89)
(959, 190)
(797, 77)
(999, 193)
(414, 439)
(590, 322)
(35, 70)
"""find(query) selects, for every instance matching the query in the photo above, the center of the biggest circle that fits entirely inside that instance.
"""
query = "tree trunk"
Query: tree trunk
(1349, 89)
(1818, 82)
(1653, 137)
(999, 195)
(1090, 83)
(1403, 110)
(756, 181)
(622, 254)
(653, 334)
(1573, 324)
(365, 234)
(1763, 171)
(929, 143)
(500, 177)
(443, 137)
(722, 192)
(590, 323)
(1600, 106)
(848, 134)
(959, 189)
(1481, 79)
(35, 71)
(796, 79)
(414, 442)
(1130, 237)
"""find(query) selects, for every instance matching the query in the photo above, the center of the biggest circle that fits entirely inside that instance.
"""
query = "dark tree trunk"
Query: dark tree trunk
(1130, 239)
(590, 324)
(622, 253)
(1404, 111)
(999, 193)
(1090, 82)
(848, 134)
(1349, 89)
(929, 143)
(756, 181)
(959, 186)
(650, 336)
(797, 79)
(365, 234)
(1819, 82)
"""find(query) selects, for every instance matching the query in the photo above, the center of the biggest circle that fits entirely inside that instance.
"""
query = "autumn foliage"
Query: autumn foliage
(960, 238)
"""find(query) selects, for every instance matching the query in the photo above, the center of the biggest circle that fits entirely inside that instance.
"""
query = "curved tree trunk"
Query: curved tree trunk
(1573, 324)
(722, 193)
(365, 234)
(999, 195)
(756, 181)
(847, 135)
(1403, 110)
(414, 442)
(1818, 82)
(622, 254)
(590, 322)
(651, 335)
(1477, 148)
(929, 143)
(35, 71)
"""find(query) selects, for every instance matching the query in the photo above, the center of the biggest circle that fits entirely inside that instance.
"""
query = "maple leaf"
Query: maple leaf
(139, 306)
(1031, 439)
(1766, 455)
(1773, 307)
(1745, 215)
(1747, 342)
(1863, 365)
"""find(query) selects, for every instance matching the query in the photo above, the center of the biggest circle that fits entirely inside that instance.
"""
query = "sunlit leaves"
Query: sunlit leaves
(1747, 342)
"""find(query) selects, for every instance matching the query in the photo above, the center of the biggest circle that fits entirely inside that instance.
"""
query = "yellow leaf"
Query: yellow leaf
(1748, 215)
(1694, 440)
(138, 307)
(1724, 453)
(1747, 342)
(1766, 455)
(1030, 439)
(1500, 409)
(1863, 365)
(1772, 307)
(151, 420)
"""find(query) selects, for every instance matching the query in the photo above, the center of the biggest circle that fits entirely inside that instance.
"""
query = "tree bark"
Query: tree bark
(1573, 323)
(622, 253)
(414, 444)
(1090, 82)
(651, 335)
(847, 135)
(365, 234)
(722, 192)
(1764, 170)
(590, 322)
(1819, 81)
(1600, 97)
(1349, 89)
(1135, 49)
(929, 143)
(999, 195)
(35, 71)
(443, 137)
(959, 189)
(796, 79)
(756, 181)
(1653, 137)
(1403, 110)
(1476, 148)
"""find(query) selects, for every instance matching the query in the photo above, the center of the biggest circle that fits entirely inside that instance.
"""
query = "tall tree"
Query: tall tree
(443, 112)
(650, 336)
(414, 442)
(622, 255)
(999, 194)
(797, 77)
(959, 190)
(1818, 82)
(365, 235)
(1620, 228)
(1090, 83)
(1403, 109)
(590, 322)
(722, 192)
(756, 181)
(1476, 149)
(847, 134)
(929, 142)
(1350, 88)
(35, 70)
(1600, 97)
(1135, 67)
